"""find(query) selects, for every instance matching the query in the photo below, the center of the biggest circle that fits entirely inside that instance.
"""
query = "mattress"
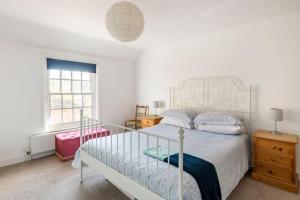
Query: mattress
(228, 153)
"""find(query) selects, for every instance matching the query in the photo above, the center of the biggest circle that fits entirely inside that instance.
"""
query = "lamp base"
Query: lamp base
(276, 133)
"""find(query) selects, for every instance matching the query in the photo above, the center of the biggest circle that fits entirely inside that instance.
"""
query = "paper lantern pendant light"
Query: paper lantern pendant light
(124, 21)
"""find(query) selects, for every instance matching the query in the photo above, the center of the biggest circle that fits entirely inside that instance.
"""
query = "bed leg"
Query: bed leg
(81, 172)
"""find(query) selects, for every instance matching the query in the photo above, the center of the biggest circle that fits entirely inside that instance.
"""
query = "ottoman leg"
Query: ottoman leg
(81, 172)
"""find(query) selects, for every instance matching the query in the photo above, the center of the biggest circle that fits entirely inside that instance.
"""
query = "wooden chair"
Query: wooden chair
(140, 111)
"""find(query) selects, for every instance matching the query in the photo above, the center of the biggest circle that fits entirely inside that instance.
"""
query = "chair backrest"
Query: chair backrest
(141, 111)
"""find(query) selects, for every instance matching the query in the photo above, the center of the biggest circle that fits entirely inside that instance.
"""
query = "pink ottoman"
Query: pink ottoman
(67, 143)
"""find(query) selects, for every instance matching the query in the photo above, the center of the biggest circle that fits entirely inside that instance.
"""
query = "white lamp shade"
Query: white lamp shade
(155, 104)
(276, 114)
(124, 21)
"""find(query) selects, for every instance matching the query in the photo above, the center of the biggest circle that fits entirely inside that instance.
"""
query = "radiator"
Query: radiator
(45, 142)
(42, 143)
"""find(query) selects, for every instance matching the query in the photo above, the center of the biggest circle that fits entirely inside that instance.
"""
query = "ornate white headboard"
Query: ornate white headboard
(213, 94)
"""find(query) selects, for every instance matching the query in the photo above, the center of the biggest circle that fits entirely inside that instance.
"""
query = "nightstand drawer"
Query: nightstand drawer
(274, 159)
(150, 120)
(276, 172)
(275, 147)
(147, 122)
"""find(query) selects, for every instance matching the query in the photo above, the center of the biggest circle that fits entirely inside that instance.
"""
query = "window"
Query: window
(71, 88)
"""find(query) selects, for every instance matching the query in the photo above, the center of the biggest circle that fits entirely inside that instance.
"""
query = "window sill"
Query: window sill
(57, 127)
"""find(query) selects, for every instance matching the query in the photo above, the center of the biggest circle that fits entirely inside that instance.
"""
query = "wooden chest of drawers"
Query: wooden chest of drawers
(150, 120)
(274, 158)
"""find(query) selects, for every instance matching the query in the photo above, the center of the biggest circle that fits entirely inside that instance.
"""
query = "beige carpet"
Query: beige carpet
(50, 179)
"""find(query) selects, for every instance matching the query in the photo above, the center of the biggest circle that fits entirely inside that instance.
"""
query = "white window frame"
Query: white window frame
(47, 94)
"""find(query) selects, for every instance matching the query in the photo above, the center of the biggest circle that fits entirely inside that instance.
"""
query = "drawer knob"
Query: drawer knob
(280, 149)
(270, 172)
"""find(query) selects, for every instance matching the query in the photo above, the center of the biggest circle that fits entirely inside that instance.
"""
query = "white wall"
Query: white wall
(265, 55)
(22, 94)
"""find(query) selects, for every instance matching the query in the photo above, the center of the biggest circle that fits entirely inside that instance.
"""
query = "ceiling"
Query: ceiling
(165, 20)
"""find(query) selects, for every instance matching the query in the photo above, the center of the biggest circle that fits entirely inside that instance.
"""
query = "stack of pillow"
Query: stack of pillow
(178, 118)
(215, 122)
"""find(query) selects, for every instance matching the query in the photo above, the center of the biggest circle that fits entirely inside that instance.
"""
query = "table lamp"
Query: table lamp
(155, 105)
(276, 115)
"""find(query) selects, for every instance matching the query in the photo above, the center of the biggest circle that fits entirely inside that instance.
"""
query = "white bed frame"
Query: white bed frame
(199, 95)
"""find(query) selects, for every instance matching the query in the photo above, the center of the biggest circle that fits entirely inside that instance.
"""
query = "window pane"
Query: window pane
(86, 86)
(86, 76)
(77, 114)
(67, 115)
(65, 74)
(66, 86)
(87, 112)
(54, 86)
(76, 75)
(54, 73)
(67, 95)
(87, 100)
(67, 101)
(55, 101)
(76, 86)
(77, 100)
(55, 116)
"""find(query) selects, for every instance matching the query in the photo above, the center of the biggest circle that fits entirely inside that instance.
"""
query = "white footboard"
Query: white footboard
(102, 160)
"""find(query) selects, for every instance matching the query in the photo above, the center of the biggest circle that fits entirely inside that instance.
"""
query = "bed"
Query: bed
(121, 159)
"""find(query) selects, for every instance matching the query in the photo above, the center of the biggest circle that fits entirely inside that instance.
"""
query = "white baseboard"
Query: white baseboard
(19, 158)
(12, 159)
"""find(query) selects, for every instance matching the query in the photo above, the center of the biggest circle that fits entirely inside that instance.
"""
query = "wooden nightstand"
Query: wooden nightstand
(274, 158)
(150, 120)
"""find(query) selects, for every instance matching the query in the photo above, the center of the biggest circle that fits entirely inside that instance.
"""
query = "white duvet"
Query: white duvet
(228, 153)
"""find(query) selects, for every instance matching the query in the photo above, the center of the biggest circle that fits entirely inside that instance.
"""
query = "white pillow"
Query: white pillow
(222, 129)
(179, 115)
(217, 118)
(177, 122)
